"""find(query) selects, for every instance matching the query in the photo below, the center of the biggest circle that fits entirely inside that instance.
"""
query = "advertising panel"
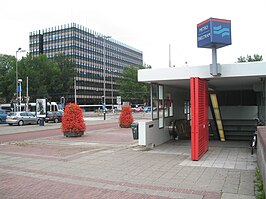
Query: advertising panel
(41, 107)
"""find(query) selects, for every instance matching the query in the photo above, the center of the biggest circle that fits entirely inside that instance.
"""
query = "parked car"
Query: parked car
(139, 110)
(21, 118)
(3, 115)
(147, 109)
(55, 116)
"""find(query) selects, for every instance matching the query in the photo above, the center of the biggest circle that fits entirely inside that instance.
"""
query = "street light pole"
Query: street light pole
(112, 90)
(19, 50)
(19, 90)
(104, 74)
(27, 92)
(75, 90)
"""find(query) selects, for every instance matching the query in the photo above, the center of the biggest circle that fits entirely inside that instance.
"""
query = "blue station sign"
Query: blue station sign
(214, 33)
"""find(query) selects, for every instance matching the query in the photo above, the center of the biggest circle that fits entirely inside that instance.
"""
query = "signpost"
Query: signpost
(119, 102)
(41, 108)
(214, 33)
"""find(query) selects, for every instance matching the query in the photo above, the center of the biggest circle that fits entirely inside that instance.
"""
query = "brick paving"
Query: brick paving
(107, 163)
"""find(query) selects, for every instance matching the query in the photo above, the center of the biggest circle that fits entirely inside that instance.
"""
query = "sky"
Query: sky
(148, 25)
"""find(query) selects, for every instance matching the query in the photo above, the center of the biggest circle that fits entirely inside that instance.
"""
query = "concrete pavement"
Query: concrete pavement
(107, 163)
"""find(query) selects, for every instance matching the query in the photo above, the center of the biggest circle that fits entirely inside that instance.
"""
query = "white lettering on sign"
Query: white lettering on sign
(204, 28)
(205, 36)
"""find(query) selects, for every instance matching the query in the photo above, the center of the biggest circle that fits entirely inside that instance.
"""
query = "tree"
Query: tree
(42, 74)
(66, 77)
(7, 77)
(249, 58)
(48, 78)
(147, 66)
(129, 87)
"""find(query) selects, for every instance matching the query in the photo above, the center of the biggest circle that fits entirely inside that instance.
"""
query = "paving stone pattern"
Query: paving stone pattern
(95, 167)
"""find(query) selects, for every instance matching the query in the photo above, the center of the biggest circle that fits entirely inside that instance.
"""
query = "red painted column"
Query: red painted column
(199, 117)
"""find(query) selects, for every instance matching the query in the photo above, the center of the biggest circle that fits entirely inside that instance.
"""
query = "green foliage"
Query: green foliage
(147, 66)
(47, 78)
(260, 193)
(129, 87)
(41, 73)
(7, 76)
(66, 77)
(249, 58)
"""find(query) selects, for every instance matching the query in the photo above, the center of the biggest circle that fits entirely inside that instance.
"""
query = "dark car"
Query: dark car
(55, 116)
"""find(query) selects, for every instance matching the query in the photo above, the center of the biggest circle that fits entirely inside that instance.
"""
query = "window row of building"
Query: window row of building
(84, 36)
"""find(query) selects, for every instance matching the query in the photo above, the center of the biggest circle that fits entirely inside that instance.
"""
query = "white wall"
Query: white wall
(149, 132)
(239, 112)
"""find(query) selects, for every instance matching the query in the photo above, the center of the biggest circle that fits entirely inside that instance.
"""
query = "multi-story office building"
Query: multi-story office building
(99, 59)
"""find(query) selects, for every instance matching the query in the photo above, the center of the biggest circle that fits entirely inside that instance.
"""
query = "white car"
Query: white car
(21, 118)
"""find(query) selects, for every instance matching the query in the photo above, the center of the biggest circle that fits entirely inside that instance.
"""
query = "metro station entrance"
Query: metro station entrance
(188, 103)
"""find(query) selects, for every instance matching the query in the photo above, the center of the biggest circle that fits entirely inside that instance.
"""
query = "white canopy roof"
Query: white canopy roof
(233, 76)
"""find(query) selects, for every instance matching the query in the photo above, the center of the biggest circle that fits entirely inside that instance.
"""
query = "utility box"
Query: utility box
(135, 130)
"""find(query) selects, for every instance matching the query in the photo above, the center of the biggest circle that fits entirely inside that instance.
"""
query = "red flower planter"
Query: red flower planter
(72, 122)
(126, 118)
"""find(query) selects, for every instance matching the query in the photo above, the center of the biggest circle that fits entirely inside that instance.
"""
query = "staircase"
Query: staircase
(239, 129)
(232, 122)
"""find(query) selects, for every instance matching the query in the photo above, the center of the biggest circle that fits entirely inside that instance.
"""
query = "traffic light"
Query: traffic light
(102, 99)
(62, 100)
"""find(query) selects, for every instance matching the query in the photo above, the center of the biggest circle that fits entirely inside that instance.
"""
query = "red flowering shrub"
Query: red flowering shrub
(72, 120)
(126, 118)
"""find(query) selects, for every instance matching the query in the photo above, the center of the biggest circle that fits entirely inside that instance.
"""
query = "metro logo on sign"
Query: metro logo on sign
(214, 33)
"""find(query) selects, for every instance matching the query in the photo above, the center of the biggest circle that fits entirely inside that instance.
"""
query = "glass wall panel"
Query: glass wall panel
(155, 96)
(161, 107)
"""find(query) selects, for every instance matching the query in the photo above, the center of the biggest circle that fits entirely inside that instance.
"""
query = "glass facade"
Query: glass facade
(92, 52)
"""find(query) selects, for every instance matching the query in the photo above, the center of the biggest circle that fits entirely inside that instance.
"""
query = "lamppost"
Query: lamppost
(18, 51)
(112, 88)
(104, 72)
(112, 93)
(75, 90)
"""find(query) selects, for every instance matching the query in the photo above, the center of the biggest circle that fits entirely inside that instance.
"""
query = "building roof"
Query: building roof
(233, 76)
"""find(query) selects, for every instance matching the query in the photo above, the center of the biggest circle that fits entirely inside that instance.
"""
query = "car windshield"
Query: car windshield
(30, 114)
(59, 113)
(49, 113)
(12, 114)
